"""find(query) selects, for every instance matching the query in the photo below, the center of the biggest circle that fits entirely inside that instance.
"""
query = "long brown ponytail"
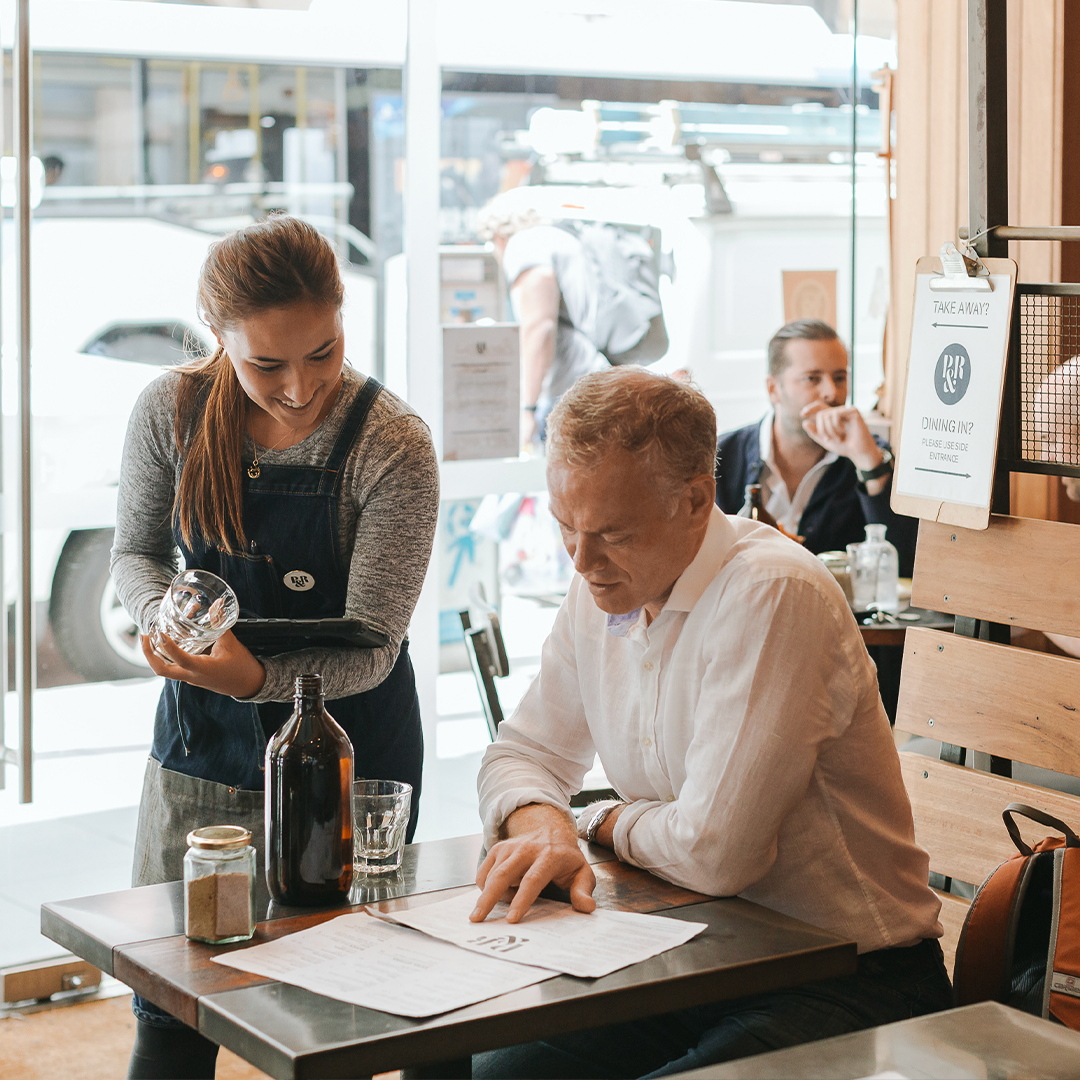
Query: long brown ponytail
(273, 264)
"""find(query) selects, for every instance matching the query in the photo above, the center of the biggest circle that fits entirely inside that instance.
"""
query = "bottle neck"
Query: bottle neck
(308, 692)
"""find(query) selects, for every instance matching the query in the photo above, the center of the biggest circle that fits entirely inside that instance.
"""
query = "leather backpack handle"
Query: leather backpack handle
(1071, 839)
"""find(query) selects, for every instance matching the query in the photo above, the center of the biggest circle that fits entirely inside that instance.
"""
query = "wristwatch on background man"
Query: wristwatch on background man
(883, 468)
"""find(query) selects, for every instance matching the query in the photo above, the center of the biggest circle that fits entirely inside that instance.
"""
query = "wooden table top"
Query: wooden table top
(892, 632)
(137, 935)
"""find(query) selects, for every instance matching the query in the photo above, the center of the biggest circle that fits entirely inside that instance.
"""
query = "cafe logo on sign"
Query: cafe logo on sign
(952, 374)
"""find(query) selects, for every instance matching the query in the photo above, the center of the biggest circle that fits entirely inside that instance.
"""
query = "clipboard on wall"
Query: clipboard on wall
(961, 322)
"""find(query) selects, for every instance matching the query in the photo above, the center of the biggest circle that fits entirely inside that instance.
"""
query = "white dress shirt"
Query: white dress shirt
(744, 728)
(786, 508)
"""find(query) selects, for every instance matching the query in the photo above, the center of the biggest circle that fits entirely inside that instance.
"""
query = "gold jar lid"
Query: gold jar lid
(219, 837)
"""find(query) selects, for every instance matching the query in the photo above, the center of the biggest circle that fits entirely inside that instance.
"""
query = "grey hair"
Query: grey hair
(798, 330)
(670, 424)
(503, 216)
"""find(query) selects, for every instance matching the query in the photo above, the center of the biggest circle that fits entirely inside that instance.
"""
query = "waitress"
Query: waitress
(313, 491)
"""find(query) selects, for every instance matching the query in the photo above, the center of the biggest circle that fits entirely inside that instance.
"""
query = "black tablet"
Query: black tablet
(286, 635)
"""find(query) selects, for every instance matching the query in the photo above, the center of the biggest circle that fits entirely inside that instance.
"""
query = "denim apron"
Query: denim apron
(206, 764)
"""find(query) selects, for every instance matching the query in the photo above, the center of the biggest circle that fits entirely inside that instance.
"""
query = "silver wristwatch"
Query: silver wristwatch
(598, 819)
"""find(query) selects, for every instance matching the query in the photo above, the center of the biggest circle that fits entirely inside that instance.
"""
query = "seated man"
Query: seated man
(715, 668)
(823, 475)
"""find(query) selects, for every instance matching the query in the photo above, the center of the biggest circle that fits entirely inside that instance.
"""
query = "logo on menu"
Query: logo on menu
(299, 581)
(952, 374)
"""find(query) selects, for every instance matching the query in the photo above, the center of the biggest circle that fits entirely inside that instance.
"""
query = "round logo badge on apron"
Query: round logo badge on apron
(299, 581)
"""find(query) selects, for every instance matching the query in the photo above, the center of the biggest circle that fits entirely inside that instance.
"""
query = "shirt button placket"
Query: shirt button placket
(648, 714)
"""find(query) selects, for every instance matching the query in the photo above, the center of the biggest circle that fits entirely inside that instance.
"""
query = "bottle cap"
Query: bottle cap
(219, 837)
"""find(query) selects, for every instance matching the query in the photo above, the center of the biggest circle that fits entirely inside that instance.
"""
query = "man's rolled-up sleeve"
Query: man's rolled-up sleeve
(756, 735)
(544, 749)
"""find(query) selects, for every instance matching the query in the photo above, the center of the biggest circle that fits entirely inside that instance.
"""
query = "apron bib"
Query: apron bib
(206, 765)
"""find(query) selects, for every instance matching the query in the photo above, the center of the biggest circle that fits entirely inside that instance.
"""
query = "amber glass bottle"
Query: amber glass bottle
(754, 507)
(309, 776)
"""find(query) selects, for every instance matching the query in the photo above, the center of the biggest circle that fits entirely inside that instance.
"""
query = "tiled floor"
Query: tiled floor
(77, 836)
(49, 860)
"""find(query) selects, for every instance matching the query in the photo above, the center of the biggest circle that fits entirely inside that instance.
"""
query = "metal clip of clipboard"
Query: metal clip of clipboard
(961, 272)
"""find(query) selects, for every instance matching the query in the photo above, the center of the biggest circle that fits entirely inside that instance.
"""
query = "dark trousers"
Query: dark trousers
(891, 984)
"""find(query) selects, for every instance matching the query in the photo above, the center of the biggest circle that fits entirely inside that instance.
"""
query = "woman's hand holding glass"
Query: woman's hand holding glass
(228, 668)
(191, 640)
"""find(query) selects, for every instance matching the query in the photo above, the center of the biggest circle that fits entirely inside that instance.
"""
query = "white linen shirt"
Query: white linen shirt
(786, 508)
(744, 729)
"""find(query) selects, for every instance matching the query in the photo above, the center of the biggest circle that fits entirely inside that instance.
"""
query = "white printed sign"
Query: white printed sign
(481, 392)
(948, 443)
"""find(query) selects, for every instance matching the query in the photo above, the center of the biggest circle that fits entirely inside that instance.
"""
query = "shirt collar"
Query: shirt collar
(765, 440)
(694, 580)
(619, 625)
(698, 576)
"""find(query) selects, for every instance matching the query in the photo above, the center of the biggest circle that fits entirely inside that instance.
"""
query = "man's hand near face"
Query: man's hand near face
(841, 430)
(541, 847)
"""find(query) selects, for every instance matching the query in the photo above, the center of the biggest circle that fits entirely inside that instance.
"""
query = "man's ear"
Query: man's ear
(702, 491)
(772, 388)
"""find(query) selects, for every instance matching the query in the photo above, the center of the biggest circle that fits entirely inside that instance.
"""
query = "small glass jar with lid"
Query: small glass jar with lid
(219, 884)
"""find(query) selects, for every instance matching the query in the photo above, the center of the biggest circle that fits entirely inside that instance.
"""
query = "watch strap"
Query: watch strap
(883, 468)
(598, 819)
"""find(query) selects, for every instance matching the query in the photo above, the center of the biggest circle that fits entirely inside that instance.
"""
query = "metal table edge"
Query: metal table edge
(621, 1004)
(91, 949)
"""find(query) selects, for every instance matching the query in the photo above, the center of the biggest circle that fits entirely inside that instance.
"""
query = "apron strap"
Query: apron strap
(358, 412)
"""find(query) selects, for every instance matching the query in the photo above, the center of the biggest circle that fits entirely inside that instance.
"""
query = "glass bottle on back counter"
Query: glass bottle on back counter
(309, 776)
(754, 507)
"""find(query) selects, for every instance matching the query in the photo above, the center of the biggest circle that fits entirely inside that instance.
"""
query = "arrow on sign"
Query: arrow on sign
(944, 472)
(966, 326)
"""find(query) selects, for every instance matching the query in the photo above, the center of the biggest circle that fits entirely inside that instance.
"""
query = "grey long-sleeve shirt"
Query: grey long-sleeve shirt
(386, 525)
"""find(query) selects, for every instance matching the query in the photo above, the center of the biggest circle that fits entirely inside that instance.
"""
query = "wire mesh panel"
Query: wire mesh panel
(1049, 377)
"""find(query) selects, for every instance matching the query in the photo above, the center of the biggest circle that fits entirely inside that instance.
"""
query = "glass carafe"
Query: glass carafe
(874, 568)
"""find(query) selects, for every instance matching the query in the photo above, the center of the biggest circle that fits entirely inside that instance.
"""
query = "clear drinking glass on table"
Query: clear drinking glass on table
(380, 817)
(197, 609)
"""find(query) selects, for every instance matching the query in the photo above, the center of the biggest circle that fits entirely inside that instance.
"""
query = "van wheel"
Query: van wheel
(93, 632)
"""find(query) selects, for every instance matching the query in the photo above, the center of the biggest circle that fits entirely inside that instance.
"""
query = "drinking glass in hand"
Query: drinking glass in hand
(198, 608)
(380, 817)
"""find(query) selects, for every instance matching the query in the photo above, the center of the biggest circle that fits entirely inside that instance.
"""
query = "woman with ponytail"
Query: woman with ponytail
(266, 460)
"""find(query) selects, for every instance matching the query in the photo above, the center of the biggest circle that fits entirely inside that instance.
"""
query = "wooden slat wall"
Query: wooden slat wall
(958, 815)
(1019, 571)
(1010, 702)
(954, 911)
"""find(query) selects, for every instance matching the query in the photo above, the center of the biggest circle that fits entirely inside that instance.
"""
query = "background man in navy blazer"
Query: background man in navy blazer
(824, 476)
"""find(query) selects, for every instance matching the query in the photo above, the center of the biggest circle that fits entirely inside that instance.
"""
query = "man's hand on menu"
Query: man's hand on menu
(541, 846)
(229, 668)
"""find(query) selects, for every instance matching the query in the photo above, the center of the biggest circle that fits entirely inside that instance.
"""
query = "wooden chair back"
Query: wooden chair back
(1001, 703)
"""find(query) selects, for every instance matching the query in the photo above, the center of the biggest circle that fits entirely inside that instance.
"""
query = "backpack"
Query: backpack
(1020, 944)
(628, 284)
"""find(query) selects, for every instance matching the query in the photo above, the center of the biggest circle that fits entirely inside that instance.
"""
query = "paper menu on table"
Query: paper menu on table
(552, 935)
(378, 965)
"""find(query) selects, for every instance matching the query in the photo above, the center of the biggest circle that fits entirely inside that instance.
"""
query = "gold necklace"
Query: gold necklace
(253, 469)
